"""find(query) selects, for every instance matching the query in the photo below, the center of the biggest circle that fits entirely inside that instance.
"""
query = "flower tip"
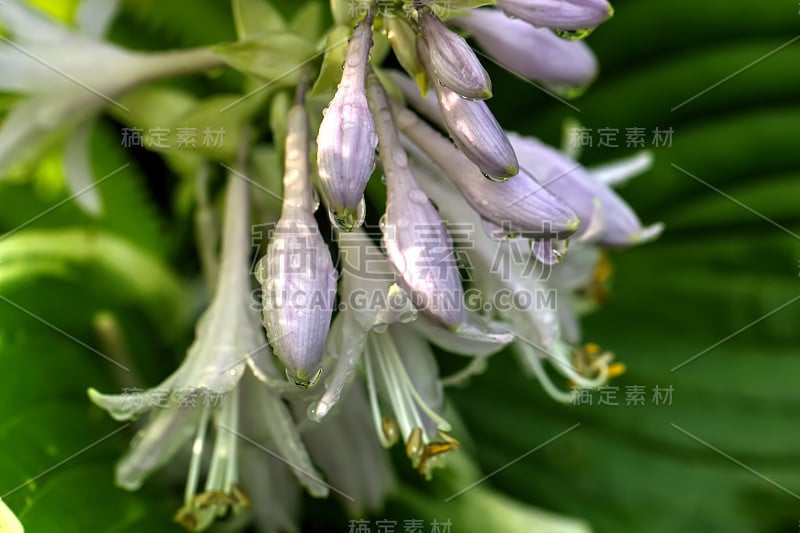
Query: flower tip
(648, 233)
(301, 377)
(348, 219)
(318, 410)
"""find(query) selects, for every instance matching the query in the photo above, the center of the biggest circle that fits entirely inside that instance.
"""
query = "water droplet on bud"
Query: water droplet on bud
(349, 220)
(573, 35)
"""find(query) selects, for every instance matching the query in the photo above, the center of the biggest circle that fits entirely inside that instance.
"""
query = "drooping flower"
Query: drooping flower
(414, 236)
(370, 358)
(453, 63)
(580, 16)
(534, 53)
(517, 206)
(346, 140)
(227, 335)
(473, 128)
(297, 275)
(607, 218)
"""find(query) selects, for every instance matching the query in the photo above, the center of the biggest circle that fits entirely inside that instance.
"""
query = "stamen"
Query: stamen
(390, 430)
(197, 455)
(373, 397)
(414, 443)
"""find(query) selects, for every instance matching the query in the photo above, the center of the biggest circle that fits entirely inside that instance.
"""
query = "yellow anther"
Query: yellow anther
(414, 443)
(390, 431)
(617, 369)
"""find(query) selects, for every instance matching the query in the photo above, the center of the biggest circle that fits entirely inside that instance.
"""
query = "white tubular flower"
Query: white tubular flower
(372, 301)
(414, 236)
(8, 520)
(297, 275)
(205, 384)
(343, 444)
(69, 78)
(406, 397)
(532, 315)
(346, 140)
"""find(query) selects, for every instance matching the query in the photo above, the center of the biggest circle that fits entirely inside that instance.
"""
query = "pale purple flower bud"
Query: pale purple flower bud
(519, 205)
(559, 14)
(606, 217)
(346, 140)
(452, 59)
(416, 240)
(534, 53)
(297, 274)
(474, 129)
(562, 176)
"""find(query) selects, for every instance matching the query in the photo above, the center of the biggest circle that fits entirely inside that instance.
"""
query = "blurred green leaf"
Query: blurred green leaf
(57, 448)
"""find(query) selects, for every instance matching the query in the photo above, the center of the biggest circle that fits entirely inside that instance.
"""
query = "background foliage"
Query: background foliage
(723, 264)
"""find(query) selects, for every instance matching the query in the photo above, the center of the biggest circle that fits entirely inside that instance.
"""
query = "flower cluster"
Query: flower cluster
(543, 222)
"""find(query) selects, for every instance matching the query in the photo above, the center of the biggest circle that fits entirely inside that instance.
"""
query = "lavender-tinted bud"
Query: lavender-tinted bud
(474, 129)
(346, 140)
(452, 60)
(297, 275)
(415, 238)
(519, 205)
(574, 15)
(606, 217)
(534, 53)
(562, 176)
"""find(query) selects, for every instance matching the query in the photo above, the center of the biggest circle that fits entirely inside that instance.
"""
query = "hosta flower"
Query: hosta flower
(559, 14)
(415, 238)
(67, 78)
(534, 53)
(227, 335)
(297, 274)
(474, 129)
(453, 63)
(607, 218)
(346, 139)
(360, 360)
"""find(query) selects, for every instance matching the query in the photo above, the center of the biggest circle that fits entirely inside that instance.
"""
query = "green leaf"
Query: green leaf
(277, 58)
(56, 468)
(330, 73)
(253, 17)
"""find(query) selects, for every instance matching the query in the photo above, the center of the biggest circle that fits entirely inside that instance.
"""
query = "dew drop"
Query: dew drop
(304, 383)
(573, 35)
(316, 411)
(417, 196)
(314, 200)
(400, 158)
(495, 179)
(380, 328)
(348, 220)
(407, 316)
